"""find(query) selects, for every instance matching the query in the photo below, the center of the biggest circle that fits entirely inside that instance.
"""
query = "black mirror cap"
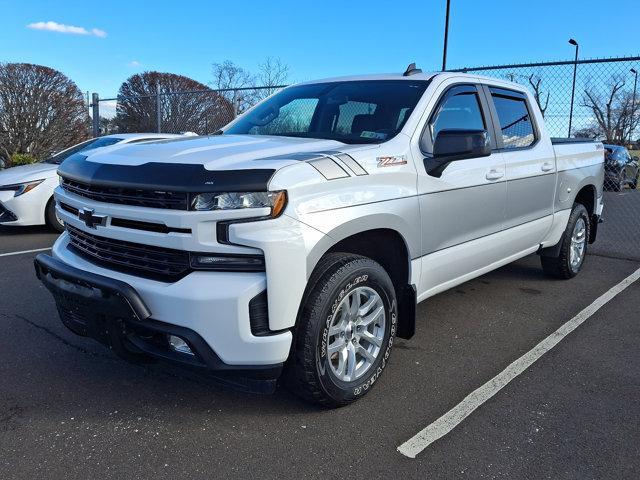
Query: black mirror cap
(457, 144)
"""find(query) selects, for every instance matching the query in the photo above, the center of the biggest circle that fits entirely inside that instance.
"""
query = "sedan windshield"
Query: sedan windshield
(58, 158)
(370, 111)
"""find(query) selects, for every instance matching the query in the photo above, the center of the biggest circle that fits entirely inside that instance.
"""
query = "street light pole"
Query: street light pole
(573, 87)
(633, 103)
(446, 37)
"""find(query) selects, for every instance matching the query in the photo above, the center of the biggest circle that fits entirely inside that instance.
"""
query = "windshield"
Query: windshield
(58, 158)
(370, 111)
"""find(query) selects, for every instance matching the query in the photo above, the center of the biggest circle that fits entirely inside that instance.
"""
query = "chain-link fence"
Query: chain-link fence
(200, 111)
(588, 98)
(600, 103)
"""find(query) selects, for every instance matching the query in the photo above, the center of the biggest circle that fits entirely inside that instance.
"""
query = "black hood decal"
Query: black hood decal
(175, 177)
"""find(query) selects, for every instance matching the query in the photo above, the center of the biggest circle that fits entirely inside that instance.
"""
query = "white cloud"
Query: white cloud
(134, 63)
(98, 33)
(62, 28)
(108, 108)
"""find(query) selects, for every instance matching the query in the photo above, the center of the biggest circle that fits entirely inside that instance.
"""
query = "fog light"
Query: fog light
(179, 345)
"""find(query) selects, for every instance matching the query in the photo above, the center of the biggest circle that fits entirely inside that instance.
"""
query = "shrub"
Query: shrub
(22, 159)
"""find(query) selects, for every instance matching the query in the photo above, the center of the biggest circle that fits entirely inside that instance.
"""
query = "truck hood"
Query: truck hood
(199, 164)
(219, 152)
(27, 173)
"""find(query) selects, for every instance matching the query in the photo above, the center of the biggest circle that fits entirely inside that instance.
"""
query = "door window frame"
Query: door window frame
(426, 141)
(489, 90)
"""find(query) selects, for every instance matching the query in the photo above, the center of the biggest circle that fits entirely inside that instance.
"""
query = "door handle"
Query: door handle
(547, 167)
(494, 174)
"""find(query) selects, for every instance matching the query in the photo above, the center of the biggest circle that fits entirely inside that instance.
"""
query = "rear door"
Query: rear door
(529, 159)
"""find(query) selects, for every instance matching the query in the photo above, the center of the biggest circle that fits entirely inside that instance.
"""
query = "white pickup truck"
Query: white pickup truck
(300, 239)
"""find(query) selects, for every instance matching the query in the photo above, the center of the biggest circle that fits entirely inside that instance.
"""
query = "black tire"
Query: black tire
(634, 184)
(560, 266)
(51, 217)
(308, 372)
(618, 184)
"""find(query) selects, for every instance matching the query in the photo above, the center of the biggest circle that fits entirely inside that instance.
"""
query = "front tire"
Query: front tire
(52, 218)
(345, 331)
(573, 247)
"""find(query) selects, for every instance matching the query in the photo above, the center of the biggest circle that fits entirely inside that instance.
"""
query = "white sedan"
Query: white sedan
(26, 191)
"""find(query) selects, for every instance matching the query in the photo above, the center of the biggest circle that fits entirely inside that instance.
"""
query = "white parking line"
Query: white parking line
(24, 251)
(457, 414)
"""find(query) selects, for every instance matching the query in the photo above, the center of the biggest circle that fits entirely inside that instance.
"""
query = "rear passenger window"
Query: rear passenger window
(515, 121)
(460, 109)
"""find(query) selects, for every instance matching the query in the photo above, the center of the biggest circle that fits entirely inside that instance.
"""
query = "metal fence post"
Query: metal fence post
(158, 109)
(95, 109)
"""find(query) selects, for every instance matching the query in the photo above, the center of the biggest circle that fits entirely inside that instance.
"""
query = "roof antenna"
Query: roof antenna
(411, 70)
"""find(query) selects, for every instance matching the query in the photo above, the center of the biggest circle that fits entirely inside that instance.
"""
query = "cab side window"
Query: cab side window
(515, 120)
(459, 109)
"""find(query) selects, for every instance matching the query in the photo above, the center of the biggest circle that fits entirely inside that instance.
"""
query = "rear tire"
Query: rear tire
(618, 184)
(634, 184)
(573, 248)
(51, 218)
(339, 350)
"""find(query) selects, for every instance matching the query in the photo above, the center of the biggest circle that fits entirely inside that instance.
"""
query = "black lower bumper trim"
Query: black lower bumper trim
(112, 312)
(6, 215)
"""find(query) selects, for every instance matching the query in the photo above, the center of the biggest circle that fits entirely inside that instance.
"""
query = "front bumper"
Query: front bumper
(210, 310)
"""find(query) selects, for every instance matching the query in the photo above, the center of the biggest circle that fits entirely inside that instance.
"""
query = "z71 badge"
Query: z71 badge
(392, 161)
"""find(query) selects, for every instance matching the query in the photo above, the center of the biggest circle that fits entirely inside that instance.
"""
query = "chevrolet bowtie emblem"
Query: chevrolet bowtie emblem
(90, 219)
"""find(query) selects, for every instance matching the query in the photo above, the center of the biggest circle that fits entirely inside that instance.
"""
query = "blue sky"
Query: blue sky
(116, 39)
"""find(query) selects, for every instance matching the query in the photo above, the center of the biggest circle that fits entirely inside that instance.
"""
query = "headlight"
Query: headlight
(276, 201)
(20, 188)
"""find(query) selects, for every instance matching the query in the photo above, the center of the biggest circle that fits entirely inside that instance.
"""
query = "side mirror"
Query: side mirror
(453, 144)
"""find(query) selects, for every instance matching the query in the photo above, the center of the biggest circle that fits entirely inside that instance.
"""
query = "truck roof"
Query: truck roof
(420, 76)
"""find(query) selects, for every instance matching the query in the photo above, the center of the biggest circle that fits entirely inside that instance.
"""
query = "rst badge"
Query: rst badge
(392, 161)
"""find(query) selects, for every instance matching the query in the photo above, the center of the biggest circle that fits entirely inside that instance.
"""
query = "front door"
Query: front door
(466, 203)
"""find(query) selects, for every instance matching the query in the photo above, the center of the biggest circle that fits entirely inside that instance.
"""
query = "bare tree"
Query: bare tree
(234, 79)
(41, 111)
(273, 74)
(536, 83)
(610, 110)
(201, 110)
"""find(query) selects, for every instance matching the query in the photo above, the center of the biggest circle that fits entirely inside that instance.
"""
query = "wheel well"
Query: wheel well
(587, 197)
(388, 248)
(384, 246)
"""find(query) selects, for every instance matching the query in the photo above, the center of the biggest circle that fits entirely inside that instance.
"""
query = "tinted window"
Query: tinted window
(459, 110)
(515, 121)
(369, 111)
(292, 118)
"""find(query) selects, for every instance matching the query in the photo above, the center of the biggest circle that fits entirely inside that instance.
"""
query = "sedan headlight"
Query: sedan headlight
(21, 188)
(276, 201)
